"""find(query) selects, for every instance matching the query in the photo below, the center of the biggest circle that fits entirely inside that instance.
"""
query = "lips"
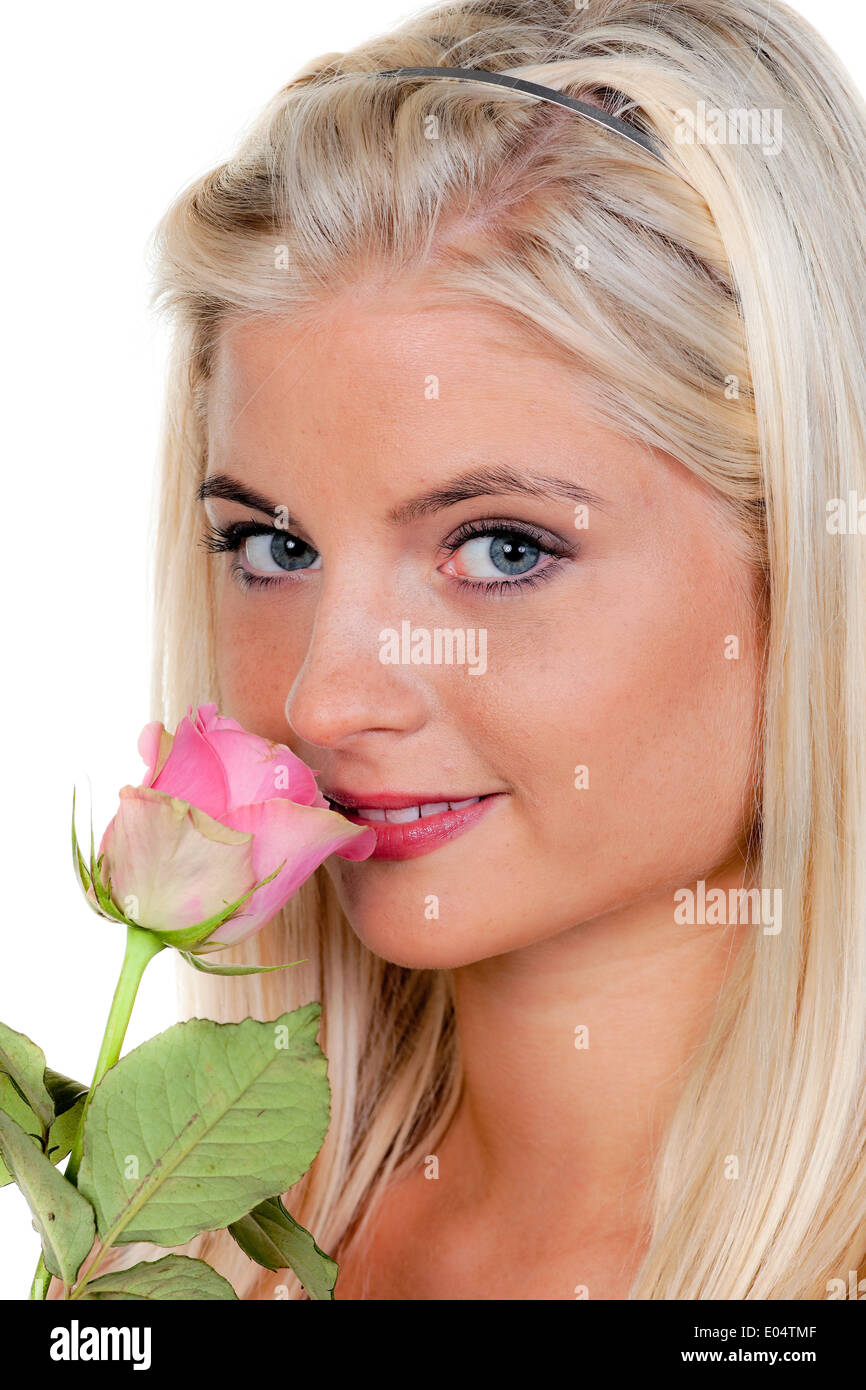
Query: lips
(402, 815)
(411, 824)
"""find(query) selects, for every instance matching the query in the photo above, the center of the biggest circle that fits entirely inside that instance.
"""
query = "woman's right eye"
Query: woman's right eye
(274, 552)
(266, 552)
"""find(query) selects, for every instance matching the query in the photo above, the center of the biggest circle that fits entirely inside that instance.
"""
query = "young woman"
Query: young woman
(506, 461)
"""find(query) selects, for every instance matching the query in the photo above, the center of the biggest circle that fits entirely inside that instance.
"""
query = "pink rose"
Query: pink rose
(219, 810)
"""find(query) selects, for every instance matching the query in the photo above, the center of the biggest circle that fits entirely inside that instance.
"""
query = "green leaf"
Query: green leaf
(61, 1215)
(271, 1237)
(68, 1098)
(24, 1062)
(12, 1103)
(15, 1106)
(173, 1277)
(199, 964)
(63, 1090)
(190, 1130)
(61, 1135)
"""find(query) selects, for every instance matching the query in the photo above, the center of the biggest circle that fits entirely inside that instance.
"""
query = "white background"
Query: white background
(109, 111)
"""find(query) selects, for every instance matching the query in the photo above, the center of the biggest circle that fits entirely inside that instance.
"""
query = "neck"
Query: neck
(570, 1132)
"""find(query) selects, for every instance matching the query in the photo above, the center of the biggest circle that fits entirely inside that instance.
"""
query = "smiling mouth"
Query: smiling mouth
(405, 828)
(401, 815)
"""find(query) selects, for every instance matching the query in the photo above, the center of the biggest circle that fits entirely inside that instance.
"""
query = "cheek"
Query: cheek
(651, 701)
(257, 657)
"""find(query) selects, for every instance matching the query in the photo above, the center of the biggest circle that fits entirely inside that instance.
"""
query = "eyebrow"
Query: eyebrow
(221, 485)
(489, 481)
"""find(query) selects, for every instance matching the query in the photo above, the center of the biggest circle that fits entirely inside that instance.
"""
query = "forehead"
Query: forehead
(394, 349)
(386, 386)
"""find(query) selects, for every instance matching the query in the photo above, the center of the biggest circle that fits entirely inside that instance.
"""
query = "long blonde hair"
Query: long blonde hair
(716, 305)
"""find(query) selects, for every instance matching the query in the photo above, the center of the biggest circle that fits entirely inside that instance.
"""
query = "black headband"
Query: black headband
(533, 89)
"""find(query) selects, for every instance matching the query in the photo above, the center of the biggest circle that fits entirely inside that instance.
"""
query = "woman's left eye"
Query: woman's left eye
(510, 556)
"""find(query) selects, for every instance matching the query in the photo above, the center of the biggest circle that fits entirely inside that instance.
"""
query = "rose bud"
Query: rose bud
(224, 828)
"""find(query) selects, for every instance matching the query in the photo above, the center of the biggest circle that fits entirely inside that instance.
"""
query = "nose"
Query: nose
(343, 691)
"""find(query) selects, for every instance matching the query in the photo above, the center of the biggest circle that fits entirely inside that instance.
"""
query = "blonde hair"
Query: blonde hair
(718, 315)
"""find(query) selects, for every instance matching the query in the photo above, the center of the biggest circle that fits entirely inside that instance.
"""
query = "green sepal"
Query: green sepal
(103, 905)
(78, 861)
(275, 1240)
(91, 880)
(199, 964)
(103, 893)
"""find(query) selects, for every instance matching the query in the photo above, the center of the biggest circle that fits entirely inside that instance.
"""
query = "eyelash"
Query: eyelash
(219, 539)
(491, 526)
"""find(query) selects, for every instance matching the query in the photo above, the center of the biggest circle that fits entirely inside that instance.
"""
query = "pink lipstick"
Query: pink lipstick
(409, 824)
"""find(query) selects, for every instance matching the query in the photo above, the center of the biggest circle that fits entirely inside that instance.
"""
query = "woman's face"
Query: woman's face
(429, 469)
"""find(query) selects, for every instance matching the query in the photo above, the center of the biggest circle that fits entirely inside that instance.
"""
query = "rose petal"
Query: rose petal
(154, 745)
(180, 864)
(194, 772)
(303, 836)
(209, 719)
(204, 715)
(257, 770)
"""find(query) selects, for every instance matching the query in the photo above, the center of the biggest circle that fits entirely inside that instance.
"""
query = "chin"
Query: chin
(417, 950)
(400, 928)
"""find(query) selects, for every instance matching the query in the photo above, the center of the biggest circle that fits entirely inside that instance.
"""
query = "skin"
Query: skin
(556, 909)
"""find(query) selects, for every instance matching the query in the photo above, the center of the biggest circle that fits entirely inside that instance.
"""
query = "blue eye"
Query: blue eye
(487, 556)
(492, 557)
(269, 553)
(276, 551)
(496, 557)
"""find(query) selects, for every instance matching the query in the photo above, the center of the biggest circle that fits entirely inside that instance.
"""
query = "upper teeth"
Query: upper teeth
(407, 813)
